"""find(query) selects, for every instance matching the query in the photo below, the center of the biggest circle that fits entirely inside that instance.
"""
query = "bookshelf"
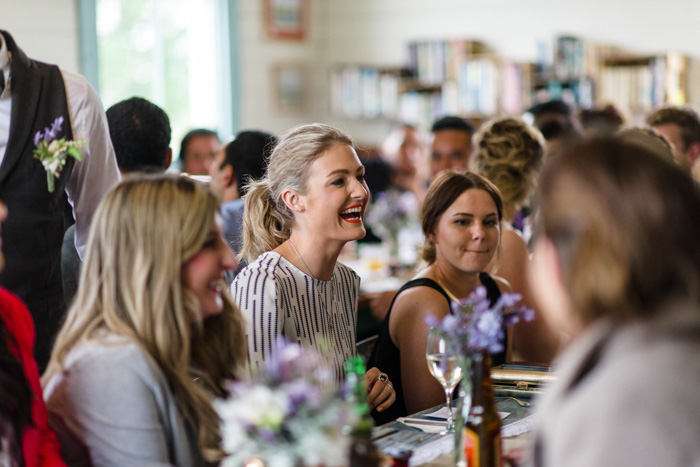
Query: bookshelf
(464, 77)
(642, 83)
(570, 74)
(365, 91)
(459, 77)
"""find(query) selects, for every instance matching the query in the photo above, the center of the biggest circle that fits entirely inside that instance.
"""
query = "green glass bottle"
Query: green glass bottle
(363, 452)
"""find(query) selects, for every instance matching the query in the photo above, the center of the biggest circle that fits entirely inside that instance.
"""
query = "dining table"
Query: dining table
(420, 434)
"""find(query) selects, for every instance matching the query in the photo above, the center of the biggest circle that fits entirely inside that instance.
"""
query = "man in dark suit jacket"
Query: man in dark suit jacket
(33, 95)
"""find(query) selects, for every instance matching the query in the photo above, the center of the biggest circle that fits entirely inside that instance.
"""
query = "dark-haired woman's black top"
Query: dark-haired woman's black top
(386, 355)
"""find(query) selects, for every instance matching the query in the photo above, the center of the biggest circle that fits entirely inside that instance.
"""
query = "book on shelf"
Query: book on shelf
(461, 77)
(364, 91)
(369, 89)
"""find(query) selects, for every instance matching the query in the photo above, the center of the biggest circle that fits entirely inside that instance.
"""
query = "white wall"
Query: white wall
(377, 31)
(46, 30)
(260, 54)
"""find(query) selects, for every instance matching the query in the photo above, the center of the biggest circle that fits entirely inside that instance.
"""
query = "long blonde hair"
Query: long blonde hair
(267, 221)
(143, 232)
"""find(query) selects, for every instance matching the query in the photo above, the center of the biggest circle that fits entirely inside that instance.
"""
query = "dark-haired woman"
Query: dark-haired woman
(461, 219)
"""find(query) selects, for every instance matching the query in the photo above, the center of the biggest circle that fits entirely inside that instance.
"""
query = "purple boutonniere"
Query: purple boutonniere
(53, 153)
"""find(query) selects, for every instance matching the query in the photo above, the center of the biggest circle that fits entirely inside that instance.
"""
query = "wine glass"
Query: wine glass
(443, 364)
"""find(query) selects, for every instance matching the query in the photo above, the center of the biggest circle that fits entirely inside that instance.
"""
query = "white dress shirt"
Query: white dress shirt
(90, 179)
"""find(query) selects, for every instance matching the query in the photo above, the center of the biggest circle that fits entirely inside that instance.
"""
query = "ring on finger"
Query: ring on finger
(383, 378)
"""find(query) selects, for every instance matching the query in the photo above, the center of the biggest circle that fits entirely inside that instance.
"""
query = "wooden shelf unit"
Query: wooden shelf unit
(463, 77)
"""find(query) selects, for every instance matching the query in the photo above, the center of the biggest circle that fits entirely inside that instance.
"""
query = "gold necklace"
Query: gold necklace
(442, 284)
(308, 269)
(321, 298)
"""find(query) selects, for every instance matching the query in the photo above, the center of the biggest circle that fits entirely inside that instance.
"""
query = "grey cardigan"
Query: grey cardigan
(626, 396)
(112, 406)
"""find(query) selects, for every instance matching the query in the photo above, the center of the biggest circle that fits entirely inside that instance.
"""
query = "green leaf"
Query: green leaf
(75, 153)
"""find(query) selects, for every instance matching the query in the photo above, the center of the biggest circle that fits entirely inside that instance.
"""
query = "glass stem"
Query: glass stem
(450, 419)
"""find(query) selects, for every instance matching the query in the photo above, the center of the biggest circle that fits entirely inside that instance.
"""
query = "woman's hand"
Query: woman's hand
(380, 391)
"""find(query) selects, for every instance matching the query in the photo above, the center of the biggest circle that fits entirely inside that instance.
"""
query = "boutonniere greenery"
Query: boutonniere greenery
(53, 153)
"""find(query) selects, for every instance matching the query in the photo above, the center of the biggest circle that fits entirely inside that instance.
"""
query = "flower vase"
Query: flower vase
(464, 403)
(478, 430)
(394, 247)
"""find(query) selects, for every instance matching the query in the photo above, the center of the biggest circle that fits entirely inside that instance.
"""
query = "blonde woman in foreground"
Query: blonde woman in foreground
(150, 338)
(297, 220)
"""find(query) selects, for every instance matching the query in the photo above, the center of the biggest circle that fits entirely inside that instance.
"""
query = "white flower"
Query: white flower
(284, 417)
(54, 146)
(53, 152)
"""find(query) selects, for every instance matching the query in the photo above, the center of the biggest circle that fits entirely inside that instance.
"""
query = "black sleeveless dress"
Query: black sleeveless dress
(386, 355)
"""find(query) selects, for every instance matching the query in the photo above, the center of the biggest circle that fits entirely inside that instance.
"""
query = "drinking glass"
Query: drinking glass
(443, 364)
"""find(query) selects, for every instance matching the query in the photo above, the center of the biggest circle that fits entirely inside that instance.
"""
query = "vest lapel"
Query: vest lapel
(25, 102)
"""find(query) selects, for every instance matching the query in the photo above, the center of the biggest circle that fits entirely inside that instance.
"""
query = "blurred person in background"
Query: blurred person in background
(603, 121)
(556, 121)
(140, 133)
(402, 151)
(197, 151)
(680, 126)
(450, 145)
(509, 153)
(237, 164)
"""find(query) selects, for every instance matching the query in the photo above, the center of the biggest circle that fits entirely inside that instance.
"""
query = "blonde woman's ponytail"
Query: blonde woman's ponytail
(265, 224)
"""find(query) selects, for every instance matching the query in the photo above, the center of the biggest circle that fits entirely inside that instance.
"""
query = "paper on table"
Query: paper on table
(428, 426)
(521, 426)
(442, 413)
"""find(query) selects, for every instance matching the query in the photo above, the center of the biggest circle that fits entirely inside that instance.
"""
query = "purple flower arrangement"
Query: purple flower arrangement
(289, 414)
(476, 325)
(392, 210)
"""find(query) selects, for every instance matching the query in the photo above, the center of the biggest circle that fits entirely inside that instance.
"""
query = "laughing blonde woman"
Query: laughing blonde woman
(151, 337)
(297, 220)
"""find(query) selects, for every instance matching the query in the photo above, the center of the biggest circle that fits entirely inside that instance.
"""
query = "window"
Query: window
(176, 53)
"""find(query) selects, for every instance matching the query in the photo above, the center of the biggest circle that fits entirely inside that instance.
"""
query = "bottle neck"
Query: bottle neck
(482, 389)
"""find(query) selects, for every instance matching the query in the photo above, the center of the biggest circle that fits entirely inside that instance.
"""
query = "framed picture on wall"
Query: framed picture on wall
(289, 91)
(286, 19)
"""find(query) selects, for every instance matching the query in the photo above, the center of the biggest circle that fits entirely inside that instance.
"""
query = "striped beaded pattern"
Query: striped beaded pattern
(279, 300)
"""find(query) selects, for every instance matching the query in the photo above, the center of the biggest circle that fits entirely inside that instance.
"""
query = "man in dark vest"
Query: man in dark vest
(32, 96)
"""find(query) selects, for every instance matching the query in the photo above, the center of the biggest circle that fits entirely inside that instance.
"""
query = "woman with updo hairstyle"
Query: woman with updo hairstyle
(461, 220)
(509, 153)
(152, 336)
(297, 219)
(616, 265)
